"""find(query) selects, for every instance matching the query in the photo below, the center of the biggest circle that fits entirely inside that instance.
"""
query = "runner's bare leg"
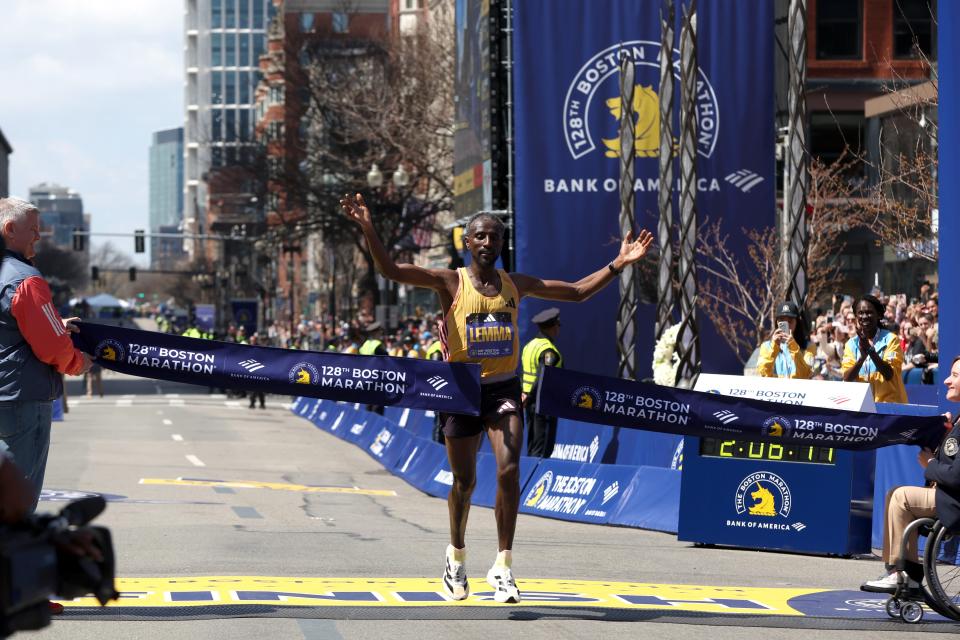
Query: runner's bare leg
(462, 454)
(506, 439)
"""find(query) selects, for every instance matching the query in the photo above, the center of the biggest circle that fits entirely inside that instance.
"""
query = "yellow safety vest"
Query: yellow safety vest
(369, 347)
(531, 357)
(434, 347)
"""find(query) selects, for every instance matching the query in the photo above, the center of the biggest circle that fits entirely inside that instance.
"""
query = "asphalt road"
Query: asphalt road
(173, 530)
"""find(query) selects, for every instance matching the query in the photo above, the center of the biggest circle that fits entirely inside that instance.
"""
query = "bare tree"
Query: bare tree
(741, 298)
(369, 106)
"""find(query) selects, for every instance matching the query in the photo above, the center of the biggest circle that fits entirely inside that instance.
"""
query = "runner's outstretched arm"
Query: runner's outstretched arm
(630, 251)
(356, 210)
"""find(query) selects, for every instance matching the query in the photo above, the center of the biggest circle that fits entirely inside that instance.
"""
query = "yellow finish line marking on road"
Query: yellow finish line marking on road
(277, 486)
(421, 592)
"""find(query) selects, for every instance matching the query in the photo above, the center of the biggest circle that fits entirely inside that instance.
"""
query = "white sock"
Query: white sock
(457, 555)
(504, 558)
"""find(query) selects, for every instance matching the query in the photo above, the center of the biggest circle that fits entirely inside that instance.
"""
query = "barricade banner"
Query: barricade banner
(376, 380)
(574, 491)
(612, 401)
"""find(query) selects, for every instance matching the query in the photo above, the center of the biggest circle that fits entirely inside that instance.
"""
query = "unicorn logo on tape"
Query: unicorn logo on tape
(304, 373)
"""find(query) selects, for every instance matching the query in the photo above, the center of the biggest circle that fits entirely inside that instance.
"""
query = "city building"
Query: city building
(223, 43)
(859, 51)
(5, 151)
(320, 34)
(61, 213)
(166, 197)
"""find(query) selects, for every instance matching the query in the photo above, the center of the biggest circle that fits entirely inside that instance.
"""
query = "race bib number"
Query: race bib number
(489, 335)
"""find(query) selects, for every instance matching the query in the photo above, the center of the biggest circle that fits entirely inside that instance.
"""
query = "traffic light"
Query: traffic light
(133, 274)
(139, 242)
(95, 274)
(78, 239)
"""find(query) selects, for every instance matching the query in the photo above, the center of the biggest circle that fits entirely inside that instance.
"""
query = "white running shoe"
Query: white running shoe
(455, 582)
(504, 586)
(888, 584)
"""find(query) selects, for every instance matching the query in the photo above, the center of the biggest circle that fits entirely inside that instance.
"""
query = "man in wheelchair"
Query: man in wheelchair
(940, 499)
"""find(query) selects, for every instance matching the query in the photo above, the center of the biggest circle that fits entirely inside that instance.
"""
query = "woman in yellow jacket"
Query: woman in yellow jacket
(782, 355)
(874, 354)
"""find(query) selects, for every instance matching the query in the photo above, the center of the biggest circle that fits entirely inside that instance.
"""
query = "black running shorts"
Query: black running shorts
(496, 400)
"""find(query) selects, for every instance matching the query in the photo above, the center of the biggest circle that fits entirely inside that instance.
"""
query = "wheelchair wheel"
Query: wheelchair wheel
(943, 579)
(911, 612)
(893, 608)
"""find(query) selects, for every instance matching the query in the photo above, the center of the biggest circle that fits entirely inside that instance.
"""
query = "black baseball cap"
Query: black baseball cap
(788, 310)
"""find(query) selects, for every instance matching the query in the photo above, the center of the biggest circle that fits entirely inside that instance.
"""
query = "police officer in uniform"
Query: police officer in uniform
(538, 353)
(373, 345)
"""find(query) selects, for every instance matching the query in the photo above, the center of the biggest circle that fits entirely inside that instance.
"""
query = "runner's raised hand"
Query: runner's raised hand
(355, 209)
(632, 250)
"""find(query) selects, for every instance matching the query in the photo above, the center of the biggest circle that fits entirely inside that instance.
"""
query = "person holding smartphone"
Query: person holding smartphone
(785, 354)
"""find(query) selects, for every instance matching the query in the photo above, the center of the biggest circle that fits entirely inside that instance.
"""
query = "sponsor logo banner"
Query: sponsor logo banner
(612, 401)
(377, 380)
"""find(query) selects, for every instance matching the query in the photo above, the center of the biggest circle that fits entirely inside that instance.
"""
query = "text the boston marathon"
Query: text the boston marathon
(173, 359)
(364, 379)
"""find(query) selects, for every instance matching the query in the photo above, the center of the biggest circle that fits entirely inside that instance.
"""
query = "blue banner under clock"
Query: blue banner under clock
(612, 401)
(377, 380)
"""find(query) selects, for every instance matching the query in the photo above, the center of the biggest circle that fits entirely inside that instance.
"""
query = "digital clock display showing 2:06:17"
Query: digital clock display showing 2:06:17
(746, 449)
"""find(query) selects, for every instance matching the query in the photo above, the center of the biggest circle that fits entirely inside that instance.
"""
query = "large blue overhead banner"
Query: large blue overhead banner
(566, 95)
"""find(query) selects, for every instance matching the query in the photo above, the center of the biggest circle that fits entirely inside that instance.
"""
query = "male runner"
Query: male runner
(480, 325)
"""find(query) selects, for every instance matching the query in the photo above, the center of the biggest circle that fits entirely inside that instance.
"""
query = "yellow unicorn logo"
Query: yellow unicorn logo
(765, 505)
(303, 376)
(108, 353)
(647, 130)
(776, 429)
(537, 494)
(586, 402)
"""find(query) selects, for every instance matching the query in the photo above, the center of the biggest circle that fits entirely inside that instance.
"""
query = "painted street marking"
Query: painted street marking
(129, 395)
(247, 512)
(195, 461)
(276, 486)
(167, 421)
(176, 403)
(124, 403)
(421, 592)
(177, 437)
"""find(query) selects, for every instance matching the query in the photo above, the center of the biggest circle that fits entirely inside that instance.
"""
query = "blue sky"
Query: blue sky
(85, 84)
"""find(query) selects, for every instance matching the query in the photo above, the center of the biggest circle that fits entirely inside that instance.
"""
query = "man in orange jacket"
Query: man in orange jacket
(35, 345)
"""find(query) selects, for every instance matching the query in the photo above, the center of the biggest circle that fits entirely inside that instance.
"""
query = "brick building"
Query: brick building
(858, 51)
(303, 34)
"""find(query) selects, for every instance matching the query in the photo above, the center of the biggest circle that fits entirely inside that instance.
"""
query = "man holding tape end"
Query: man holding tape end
(479, 325)
(35, 345)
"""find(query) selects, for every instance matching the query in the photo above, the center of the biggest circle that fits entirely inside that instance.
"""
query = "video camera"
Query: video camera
(34, 564)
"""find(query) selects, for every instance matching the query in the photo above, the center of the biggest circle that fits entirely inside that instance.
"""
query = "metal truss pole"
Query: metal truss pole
(666, 295)
(688, 343)
(797, 166)
(627, 313)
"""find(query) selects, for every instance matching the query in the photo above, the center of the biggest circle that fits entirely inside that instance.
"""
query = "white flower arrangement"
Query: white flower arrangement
(665, 358)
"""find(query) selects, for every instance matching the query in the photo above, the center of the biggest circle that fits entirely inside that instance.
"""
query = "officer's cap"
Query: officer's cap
(547, 317)
(373, 326)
